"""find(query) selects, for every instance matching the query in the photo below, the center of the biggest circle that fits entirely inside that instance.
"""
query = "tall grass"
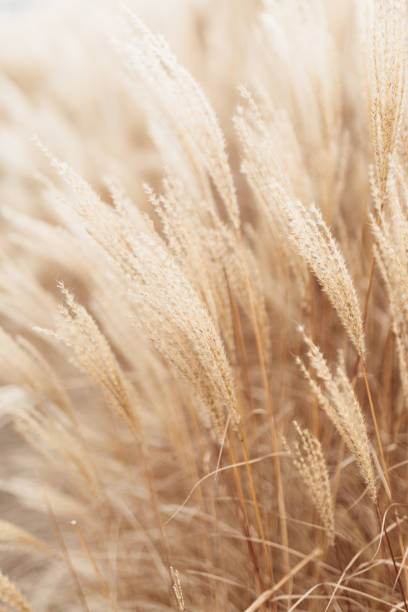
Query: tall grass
(203, 303)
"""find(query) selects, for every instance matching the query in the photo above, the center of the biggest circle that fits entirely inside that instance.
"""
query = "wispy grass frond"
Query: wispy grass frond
(11, 596)
(390, 229)
(12, 534)
(337, 398)
(316, 245)
(386, 47)
(307, 456)
(183, 104)
(91, 353)
(178, 592)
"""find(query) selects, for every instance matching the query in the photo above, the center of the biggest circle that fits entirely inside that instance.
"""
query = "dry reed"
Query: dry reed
(184, 209)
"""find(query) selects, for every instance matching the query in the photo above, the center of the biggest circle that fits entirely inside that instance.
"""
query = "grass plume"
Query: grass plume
(204, 242)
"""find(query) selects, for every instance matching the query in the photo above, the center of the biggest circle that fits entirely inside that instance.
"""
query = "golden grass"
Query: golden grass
(200, 248)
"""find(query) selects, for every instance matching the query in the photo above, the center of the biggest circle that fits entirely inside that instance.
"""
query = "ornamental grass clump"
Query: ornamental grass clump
(204, 239)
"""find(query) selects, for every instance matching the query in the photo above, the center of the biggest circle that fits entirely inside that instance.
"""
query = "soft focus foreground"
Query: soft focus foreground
(203, 299)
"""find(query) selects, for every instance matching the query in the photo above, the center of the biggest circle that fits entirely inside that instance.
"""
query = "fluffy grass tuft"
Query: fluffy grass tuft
(206, 241)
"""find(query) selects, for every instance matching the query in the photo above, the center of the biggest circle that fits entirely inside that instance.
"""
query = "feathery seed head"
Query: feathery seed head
(307, 457)
(337, 398)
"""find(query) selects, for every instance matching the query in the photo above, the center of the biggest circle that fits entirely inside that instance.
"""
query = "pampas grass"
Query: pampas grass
(204, 239)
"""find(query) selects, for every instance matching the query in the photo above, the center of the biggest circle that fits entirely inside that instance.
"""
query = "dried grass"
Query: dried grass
(211, 202)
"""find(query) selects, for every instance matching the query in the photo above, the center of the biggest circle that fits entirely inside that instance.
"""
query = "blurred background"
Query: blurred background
(8, 5)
